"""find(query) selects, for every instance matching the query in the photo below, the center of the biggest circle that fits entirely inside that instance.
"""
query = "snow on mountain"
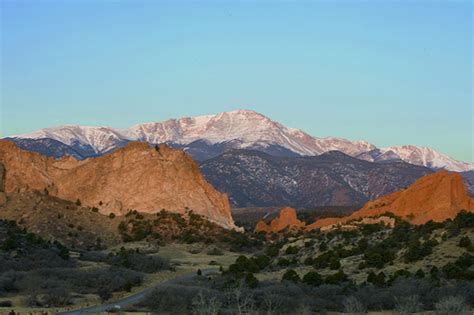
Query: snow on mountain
(240, 129)
(429, 158)
(97, 139)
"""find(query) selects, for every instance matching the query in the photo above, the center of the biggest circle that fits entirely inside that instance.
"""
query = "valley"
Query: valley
(62, 252)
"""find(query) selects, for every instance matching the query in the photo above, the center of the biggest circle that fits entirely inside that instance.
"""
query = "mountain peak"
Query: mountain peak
(239, 129)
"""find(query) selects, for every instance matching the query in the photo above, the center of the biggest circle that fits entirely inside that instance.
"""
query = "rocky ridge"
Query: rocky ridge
(435, 197)
(136, 177)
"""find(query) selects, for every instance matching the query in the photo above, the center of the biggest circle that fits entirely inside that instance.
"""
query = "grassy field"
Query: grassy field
(184, 258)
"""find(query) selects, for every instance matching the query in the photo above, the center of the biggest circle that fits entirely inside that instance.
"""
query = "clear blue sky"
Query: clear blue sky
(391, 73)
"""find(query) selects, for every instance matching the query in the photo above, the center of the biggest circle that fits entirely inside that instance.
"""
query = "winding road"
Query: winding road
(134, 298)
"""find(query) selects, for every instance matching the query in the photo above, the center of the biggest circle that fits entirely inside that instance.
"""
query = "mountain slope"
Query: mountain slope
(256, 179)
(135, 177)
(210, 135)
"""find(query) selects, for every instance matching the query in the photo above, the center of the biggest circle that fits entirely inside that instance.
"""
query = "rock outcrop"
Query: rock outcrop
(136, 177)
(3, 197)
(286, 219)
(436, 197)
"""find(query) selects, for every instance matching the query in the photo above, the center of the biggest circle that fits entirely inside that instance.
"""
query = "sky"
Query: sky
(388, 72)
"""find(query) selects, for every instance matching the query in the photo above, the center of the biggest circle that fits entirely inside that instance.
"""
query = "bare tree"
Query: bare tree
(205, 306)
(353, 305)
(451, 305)
(408, 305)
(241, 302)
(271, 302)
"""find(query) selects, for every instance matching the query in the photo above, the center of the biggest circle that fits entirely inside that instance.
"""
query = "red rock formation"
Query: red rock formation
(3, 197)
(286, 219)
(436, 197)
(135, 177)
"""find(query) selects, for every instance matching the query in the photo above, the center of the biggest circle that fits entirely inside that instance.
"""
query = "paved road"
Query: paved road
(132, 299)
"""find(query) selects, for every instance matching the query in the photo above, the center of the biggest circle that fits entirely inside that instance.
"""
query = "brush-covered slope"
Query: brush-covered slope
(253, 178)
(135, 177)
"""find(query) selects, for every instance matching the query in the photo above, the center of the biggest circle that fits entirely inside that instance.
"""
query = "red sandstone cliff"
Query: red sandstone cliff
(135, 177)
(436, 197)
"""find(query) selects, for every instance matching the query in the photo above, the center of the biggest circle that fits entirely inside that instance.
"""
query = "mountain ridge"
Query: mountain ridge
(256, 179)
(241, 129)
(136, 177)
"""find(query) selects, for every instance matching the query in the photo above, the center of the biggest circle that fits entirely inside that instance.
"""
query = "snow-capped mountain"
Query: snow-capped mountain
(208, 136)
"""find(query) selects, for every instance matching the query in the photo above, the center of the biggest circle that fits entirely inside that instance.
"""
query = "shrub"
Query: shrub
(104, 294)
(204, 305)
(292, 250)
(464, 219)
(334, 263)
(112, 215)
(283, 262)
(450, 305)
(337, 278)
(78, 202)
(353, 305)
(290, 275)
(214, 251)
(273, 251)
(313, 278)
(251, 281)
(417, 251)
(465, 241)
(408, 305)
(420, 274)
(376, 279)
(56, 297)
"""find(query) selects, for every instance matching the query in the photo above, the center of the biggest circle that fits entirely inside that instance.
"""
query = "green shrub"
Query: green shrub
(292, 250)
(334, 263)
(465, 241)
(376, 279)
(251, 281)
(290, 275)
(313, 278)
(337, 278)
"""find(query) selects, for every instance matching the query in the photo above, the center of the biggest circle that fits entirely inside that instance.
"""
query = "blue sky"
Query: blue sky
(389, 72)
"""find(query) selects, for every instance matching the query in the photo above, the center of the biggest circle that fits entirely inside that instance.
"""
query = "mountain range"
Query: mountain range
(256, 179)
(205, 137)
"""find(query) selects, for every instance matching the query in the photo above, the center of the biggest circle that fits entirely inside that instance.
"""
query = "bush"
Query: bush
(290, 275)
(353, 305)
(292, 250)
(417, 251)
(251, 281)
(465, 241)
(337, 278)
(214, 251)
(176, 298)
(112, 215)
(313, 278)
(56, 298)
(450, 305)
(408, 305)
(376, 279)
(334, 263)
